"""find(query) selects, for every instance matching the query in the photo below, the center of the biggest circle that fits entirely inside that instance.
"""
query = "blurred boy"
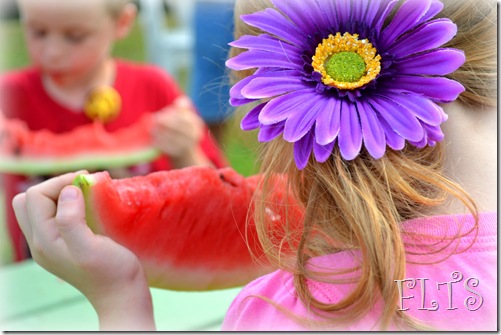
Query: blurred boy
(69, 44)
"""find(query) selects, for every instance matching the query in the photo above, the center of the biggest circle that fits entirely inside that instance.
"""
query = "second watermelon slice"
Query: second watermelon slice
(89, 146)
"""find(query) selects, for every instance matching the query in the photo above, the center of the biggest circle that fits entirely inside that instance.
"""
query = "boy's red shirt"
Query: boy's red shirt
(143, 89)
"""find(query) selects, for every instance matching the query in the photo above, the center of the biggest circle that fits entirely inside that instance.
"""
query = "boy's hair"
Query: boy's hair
(360, 204)
(115, 7)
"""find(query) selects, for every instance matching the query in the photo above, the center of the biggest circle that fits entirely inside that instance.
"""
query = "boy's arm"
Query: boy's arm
(178, 132)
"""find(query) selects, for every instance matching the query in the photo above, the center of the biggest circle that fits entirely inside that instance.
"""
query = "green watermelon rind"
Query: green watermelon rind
(85, 183)
(91, 162)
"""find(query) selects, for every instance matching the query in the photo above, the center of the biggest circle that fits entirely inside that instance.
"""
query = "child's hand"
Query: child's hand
(177, 131)
(52, 217)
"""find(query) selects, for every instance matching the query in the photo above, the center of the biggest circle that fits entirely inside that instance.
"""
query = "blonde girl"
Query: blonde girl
(355, 209)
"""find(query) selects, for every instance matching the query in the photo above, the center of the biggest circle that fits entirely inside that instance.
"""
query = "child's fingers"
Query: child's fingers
(19, 205)
(70, 221)
(41, 205)
(183, 102)
(181, 111)
(41, 198)
(182, 123)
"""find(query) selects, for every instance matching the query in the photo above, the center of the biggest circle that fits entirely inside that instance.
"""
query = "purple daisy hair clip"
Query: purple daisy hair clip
(330, 72)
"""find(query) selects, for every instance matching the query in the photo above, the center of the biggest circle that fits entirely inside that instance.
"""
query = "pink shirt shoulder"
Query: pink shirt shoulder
(447, 293)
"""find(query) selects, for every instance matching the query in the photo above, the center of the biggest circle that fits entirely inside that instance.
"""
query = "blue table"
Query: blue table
(32, 299)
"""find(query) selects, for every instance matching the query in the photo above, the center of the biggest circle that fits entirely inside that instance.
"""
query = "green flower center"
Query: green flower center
(346, 62)
(346, 67)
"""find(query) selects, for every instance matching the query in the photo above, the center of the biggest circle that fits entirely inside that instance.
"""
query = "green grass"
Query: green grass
(5, 246)
(239, 147)
(13, 54)
(132, 47)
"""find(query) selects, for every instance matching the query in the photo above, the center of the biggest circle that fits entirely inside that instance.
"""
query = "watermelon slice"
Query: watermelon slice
(188, 226)
(90, 147)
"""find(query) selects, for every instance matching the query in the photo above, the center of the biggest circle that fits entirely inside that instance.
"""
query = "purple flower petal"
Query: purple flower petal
(408, 16)
(420, 144)
(358, 10)
(394, 141)
(371, 12)
(265, 43)
(350, 135)
(268, 87)
(372, 132)
(328, 9)
(429, 36)
(420, 107)
(328, 122)
(330, 13)
(435, 62)
(435, 8)
(398, 117)
(273, 22)
(373, 8)
(323, 152)
(302, 121)
(240, 102)
(434, 133)
(343, 10)
(305, 14)
(256, 58)
(270, 132)
(251, 120)
(302, 150)
(382, 14)
(438, 89)
(236, 98)
(282, 107)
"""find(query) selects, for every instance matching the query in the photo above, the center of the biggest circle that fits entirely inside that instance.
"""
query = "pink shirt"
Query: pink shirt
(457, 293)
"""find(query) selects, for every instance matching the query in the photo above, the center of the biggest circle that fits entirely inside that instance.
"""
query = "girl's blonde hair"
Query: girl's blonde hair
(359, 204)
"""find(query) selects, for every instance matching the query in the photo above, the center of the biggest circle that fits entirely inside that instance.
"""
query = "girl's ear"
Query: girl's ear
(125, 20)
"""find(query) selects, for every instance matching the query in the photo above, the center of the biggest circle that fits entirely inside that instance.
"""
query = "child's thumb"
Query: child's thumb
(70, 219)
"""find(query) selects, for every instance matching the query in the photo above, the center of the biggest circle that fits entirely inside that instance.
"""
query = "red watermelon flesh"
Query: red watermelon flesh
(90, 146)
(187, 227)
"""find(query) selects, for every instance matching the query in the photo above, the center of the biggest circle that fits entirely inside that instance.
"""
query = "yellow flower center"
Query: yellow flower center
(346, 62)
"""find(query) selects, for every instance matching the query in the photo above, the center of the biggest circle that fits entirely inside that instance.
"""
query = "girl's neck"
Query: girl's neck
(471, 155)
(72, 94)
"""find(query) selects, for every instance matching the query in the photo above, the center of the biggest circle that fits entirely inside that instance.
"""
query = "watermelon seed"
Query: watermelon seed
(17, 150)
(221, 176)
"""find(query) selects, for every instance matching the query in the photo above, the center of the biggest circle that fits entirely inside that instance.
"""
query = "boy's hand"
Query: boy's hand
(177, 131)
(52, 217)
